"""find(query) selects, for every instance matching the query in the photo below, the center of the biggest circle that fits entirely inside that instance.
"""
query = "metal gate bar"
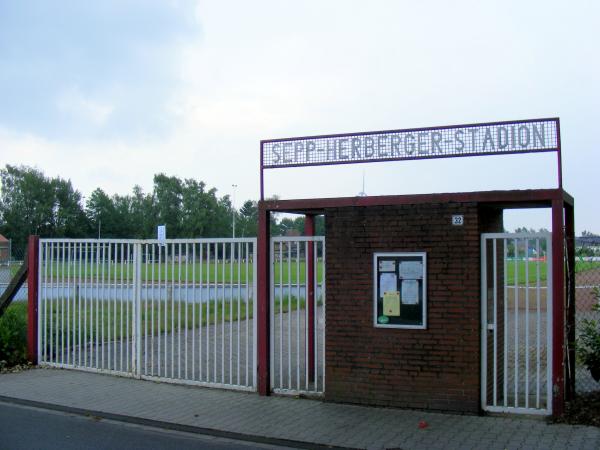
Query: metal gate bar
(81, 316)
(526, 306)
(181, 310)
(297, 336)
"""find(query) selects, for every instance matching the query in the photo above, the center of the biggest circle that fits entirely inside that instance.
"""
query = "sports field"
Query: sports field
(228, 272)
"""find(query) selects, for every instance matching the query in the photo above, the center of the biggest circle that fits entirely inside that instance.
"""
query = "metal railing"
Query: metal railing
(516, 320)
(180, 310)
(298, 315)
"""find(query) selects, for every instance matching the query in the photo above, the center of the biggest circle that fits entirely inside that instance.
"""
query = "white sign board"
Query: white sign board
(458, 220)
(467, 140)
(161, 231)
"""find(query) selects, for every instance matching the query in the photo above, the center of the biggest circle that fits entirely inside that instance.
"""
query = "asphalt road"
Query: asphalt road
(24, 427)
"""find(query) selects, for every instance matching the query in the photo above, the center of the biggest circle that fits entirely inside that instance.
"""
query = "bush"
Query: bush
(588, 343)
(13, 335)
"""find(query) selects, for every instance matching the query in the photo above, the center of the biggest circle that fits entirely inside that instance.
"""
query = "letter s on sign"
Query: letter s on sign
(458, 135)
(275, 149)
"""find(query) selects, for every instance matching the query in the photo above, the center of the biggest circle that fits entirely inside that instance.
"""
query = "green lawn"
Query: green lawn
(109, 318)
(205, 273)
(522, 266)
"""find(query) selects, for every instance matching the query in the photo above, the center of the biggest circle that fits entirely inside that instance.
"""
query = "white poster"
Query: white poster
(411, 270)
(387, 266)
(161, 232)
(387, 283)
(410, 292)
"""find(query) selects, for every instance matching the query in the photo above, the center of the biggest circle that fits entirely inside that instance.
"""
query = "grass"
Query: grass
(186, 272)
(109, 319)
(531, 266)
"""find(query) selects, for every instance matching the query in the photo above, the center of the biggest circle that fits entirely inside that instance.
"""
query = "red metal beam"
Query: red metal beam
(542, 198)
(568, 199)
(32, 298)
(570, 331)
(309, 230)
(264, 314)
(558, 309)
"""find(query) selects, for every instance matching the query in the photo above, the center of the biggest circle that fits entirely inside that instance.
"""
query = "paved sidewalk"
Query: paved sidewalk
(282, 420)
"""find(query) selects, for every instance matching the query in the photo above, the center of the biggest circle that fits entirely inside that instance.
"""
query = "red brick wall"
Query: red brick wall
(437, 368)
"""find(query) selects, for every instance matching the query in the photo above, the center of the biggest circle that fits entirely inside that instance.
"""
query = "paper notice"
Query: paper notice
(410, 292)
(387, 282)
(387, 266)
(391, 303)
(411, 270)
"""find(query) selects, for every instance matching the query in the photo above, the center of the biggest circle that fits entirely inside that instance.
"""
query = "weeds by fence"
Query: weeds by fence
(13, 335)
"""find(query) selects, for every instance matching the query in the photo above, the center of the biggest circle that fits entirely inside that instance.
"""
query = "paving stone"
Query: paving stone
(305, 420)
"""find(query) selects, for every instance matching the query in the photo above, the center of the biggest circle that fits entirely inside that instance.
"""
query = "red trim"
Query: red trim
(568, 199)
(263, 319)
(558, 154)
(262, 175)
(541, 198)
(570, 313)
(309, 230)
(32, 298)
(558, 309)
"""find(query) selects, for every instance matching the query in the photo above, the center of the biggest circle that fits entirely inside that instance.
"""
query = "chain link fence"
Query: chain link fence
(587, 278)
(11, 259)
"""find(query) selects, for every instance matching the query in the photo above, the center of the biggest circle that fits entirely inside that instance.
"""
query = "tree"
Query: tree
(248, 218)
(69, 218)
(143, 214)
(102, 214)
(27, 202)
(196, 203)
(168, 197)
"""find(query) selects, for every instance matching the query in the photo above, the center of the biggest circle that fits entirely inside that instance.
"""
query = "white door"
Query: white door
(516, 323)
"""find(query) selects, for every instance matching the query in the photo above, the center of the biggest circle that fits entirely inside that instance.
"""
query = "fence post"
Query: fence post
(558, 308)
(137, 309)
(264, 314)
(32, 298)
(570, 313)
(309, 230)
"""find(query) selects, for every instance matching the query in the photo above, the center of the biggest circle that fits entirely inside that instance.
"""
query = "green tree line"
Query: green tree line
(32, 203)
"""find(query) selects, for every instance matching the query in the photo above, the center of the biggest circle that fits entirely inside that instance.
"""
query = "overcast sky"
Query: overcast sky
(108, 93)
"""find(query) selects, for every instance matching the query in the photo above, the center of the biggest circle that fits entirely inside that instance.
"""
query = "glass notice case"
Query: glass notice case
(400, 290)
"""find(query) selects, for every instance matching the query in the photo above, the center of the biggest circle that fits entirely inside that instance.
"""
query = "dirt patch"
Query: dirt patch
(14, 369)
(584, 410)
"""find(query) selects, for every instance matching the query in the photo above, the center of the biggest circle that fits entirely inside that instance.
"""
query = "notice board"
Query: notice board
(400, 290)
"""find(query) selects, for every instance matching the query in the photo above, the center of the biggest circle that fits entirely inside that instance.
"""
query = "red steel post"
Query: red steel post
(558, 309)
(32, 298)
(570, 235)
(263, 319)
(309, 230)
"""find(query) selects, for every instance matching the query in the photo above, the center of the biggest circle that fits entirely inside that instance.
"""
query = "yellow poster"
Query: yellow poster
(391, 303)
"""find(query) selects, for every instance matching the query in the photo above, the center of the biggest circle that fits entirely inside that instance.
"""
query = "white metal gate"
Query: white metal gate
(298, 315)
(178, 311)
(516, 323)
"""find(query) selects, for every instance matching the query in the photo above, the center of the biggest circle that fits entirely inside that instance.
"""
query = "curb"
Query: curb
(171, 426)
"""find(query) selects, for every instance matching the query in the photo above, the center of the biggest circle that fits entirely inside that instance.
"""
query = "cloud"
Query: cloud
(115, 94)
(74, 103)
